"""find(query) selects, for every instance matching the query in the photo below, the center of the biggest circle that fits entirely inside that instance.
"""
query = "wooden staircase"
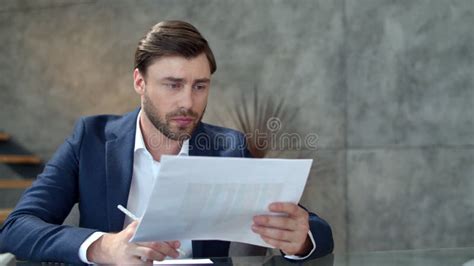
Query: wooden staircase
(19, 159)
(4, 136)
(25, 165)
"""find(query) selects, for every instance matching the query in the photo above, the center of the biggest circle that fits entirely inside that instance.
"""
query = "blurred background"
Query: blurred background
(387, 86)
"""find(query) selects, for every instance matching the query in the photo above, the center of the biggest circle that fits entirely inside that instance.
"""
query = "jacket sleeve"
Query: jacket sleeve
(33, 231)
(322, 234)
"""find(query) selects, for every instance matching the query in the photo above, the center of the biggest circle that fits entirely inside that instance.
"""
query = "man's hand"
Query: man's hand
(288, 233)
(115, 249)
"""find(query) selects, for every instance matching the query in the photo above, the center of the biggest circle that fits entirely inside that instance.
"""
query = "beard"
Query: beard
(164, 126)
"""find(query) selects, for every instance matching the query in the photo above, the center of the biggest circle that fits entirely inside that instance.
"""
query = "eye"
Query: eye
(200, 86)
(173, 85)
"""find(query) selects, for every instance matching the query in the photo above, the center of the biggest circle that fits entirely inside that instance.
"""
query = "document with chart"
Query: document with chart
(203, 198)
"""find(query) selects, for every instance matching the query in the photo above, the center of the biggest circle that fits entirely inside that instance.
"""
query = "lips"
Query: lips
(183, 120)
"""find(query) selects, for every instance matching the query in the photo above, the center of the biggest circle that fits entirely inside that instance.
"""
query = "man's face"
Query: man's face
(174, 94)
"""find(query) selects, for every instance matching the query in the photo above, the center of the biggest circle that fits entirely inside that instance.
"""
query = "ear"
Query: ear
(138, 82)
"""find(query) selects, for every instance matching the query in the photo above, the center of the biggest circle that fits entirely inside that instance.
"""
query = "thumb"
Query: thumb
(133, 225)
(130, 230)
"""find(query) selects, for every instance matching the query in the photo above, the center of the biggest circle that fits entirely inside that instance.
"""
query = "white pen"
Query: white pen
(127, 212)
(135, 218)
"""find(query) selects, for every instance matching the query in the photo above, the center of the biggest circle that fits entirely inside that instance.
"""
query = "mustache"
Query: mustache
(182, 112)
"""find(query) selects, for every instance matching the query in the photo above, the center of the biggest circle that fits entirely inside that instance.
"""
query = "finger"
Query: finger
(146, 253)
(275, 243)
(137, 261)
(175, 244)
(162, 247)
(288, 208)
(277, 234)
(276, 222)
(287, 247)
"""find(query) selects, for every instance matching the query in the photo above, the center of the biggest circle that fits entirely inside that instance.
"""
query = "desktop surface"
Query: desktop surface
(431, 257)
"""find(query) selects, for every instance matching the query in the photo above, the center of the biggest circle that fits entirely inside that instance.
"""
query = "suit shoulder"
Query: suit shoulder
(217, 130)
(220, 141)
(106, 125)
(99, 120)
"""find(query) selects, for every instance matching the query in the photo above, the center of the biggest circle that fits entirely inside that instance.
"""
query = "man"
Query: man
(112, 160)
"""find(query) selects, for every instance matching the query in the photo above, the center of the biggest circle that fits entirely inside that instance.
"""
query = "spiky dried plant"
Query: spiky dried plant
(263, 118)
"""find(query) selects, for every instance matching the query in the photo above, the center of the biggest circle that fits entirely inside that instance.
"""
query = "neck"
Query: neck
(157, 143)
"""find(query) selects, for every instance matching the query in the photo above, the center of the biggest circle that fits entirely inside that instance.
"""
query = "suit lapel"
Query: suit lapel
(119, 168)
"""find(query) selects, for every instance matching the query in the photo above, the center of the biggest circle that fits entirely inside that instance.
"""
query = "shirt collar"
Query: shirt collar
(140, 144)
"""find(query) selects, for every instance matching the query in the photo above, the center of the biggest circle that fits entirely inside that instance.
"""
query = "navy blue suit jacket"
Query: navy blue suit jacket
(93, 167)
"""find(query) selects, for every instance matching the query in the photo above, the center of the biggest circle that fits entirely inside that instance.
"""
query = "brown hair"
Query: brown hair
(172, 38)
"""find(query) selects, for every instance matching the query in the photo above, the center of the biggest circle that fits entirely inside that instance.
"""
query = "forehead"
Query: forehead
(180, 67)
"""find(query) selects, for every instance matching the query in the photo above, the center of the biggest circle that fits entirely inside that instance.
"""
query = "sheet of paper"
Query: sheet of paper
(204, 198)
(184, 262)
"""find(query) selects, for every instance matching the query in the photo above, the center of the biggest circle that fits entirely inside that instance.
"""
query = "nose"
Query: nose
(186, 99)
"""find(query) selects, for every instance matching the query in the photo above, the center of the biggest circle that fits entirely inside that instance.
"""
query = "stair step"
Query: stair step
(15, 183)
(19, 159)
(4, 214)
(11, 191)
(4, 136)
(20, 171)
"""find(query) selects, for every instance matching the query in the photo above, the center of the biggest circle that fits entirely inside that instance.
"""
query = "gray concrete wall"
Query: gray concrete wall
(387, 86)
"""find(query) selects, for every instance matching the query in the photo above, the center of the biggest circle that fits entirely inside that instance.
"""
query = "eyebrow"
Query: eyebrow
(203, 80)
(173, 79)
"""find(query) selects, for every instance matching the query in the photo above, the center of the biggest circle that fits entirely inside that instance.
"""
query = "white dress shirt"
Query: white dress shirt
(145, 172)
